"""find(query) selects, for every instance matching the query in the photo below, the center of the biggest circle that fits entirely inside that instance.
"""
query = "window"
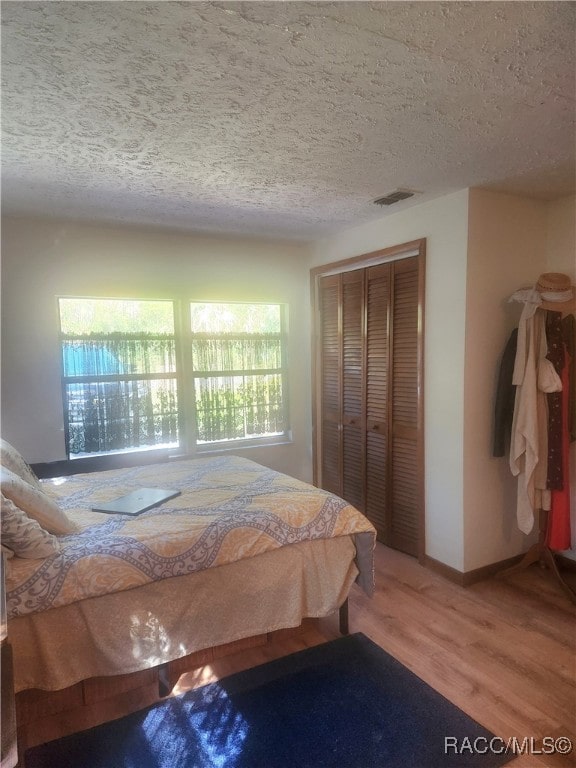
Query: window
(238, 370)
(119, 375)
(128, 387)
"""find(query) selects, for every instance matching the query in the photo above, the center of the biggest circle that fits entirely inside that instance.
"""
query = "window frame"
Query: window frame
(227, 445)
(158, 452)
(187, 417)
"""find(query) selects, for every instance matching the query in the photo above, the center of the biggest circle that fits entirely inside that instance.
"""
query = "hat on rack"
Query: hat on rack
(557, 292)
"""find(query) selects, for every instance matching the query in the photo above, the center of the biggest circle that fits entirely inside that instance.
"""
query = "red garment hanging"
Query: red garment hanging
(558, 533)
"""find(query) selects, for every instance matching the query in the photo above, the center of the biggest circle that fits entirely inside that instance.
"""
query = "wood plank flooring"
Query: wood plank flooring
(503, 650)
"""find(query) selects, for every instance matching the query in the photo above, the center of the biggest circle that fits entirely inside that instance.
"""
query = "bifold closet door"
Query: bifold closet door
(353, 389)
(392, 406)
(378, 352)
(342, 386)
(330, 417)
(369, 401)
(405, 468)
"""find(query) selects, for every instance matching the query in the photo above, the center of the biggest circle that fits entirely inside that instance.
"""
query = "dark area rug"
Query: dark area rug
(344, 704)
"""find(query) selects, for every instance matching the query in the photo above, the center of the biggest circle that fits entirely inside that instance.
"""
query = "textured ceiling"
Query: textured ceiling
(280, 118)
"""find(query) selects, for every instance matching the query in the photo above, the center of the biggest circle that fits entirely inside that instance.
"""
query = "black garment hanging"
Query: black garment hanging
(555, 473)
(569, 336)
(505, 395)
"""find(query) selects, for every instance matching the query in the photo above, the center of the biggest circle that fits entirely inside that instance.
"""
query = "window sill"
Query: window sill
(244, 446)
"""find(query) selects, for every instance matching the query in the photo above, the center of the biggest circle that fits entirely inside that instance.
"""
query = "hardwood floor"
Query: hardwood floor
(503, 650)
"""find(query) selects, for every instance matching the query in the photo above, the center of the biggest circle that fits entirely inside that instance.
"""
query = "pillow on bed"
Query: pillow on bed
(24, 536)
(12, 460)
(35, 503)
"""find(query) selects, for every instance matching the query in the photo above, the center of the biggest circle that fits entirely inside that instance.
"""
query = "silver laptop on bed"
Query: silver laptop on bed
(136, 502)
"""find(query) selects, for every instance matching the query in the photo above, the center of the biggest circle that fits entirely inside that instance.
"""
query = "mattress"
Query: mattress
(242, 550)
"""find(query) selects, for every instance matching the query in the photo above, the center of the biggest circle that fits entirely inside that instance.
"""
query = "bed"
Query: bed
(241, 552)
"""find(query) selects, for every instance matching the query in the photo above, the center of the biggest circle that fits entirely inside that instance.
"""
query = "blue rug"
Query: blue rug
(344, 704)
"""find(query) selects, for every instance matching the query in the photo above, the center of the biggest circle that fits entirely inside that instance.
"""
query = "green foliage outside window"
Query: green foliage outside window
(121, 382)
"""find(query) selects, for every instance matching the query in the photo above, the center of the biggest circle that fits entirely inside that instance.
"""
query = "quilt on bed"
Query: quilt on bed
(230, 508)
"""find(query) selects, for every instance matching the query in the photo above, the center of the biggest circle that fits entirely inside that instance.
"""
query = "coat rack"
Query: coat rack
(556, 294)
(541, 553)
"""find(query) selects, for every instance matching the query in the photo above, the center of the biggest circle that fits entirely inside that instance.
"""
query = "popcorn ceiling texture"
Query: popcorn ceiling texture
(280, 118)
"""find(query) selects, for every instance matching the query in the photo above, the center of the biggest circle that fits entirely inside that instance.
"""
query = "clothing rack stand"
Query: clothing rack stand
(541, 553)
(549, 283)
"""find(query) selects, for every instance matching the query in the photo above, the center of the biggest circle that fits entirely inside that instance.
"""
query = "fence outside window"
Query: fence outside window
(129, 400)
(123, 390)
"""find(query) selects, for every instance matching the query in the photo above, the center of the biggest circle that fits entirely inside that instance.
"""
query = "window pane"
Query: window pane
(235, 318)
(239, 407)
(87, 316)
(116, 416)
(118, 356)
(210, 354)
(121, 355)
(238, 368)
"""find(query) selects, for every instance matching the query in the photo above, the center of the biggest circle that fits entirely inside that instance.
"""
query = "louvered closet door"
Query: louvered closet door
(370, 411)
(377, 398)
(330, 383)
(404, 530)
(353, 376)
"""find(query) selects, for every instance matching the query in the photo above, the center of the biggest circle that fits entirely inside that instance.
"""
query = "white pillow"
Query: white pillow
(35, 503)
(12, 460)
(23, 536)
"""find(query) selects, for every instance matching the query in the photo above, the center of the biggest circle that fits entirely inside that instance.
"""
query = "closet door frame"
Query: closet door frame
(414, 248)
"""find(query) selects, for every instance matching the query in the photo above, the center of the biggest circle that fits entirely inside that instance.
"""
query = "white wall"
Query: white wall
(481, 246)
(506, 251)
(42, 259)
(443, 222)
(561, 236)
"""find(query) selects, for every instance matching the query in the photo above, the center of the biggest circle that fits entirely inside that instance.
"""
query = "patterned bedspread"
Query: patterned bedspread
(230, 508)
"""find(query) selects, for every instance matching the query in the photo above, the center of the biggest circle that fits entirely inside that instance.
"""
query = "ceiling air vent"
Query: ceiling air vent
(394, 197)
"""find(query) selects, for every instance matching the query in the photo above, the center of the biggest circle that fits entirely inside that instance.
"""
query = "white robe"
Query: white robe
(529, 440)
